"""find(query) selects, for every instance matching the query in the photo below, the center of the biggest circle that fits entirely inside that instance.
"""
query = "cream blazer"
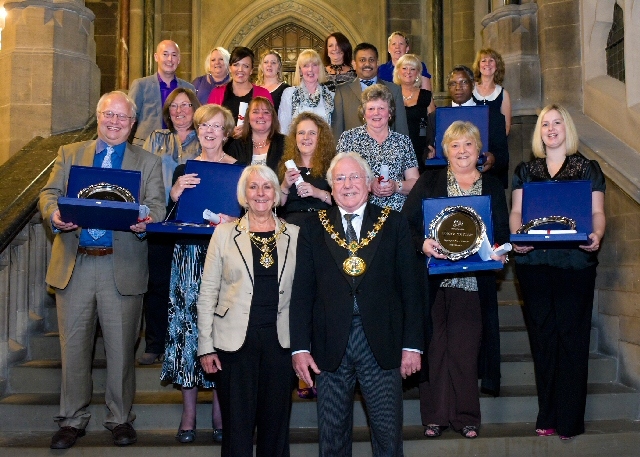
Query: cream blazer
(226, 290)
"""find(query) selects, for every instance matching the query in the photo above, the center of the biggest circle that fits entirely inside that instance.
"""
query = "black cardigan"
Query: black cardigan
(242, 151)
(433, 183)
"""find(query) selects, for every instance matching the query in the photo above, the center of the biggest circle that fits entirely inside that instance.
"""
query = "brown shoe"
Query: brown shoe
(66, 437)
(124, 435)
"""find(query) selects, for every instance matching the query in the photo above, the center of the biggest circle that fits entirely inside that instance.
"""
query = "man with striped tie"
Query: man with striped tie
(100, 275)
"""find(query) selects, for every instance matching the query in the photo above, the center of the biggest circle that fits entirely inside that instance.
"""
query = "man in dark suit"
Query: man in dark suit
(347, 100)
(100, 275)
(355, 311)
(149, 93)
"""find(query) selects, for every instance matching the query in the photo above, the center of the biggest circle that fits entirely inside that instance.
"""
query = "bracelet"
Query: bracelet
(399, 185)
(286, 193)
(326, 195)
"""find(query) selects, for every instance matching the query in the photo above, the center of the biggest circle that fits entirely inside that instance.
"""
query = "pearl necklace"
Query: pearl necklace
(260, 144)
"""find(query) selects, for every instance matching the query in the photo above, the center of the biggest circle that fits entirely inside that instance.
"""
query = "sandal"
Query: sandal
(545, 431)
(434, 431)
(470, 431)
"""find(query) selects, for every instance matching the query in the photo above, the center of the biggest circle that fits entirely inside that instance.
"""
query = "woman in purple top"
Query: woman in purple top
(216, 68)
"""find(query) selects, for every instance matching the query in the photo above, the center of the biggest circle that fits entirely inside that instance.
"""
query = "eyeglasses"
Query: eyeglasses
(110, 114)
(463, 83)
(216, 127)
(182, 106)
(353, 177)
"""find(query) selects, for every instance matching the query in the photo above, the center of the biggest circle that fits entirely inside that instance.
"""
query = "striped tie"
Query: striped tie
(106, 163)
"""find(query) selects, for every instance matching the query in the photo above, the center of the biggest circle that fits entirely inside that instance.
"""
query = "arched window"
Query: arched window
(615, 45)
(289, 40)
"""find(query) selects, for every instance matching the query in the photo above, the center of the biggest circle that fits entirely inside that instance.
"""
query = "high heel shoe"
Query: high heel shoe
(545, 431)
(186, 436)
(217, 435)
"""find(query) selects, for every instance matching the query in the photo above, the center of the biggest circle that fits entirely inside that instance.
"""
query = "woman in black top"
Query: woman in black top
(310, 145)
(418, 103)
(557, 284)
(261, 141)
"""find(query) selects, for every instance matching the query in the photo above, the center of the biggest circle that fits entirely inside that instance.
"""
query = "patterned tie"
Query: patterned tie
(106, 163)
(351, 236)
(367, 82)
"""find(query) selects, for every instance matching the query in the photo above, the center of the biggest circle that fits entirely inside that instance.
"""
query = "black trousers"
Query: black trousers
(254, 389)
(451, 395)
(156, 300)
(557, 305)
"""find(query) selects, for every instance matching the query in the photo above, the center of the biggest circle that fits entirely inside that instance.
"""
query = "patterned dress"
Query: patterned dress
(396, 152)
(181, 365)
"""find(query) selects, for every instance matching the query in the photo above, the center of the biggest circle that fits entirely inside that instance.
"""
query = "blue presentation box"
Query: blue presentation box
(100, 214)
(477, 115)
(571, 199)
(216, 192)
(482, 205)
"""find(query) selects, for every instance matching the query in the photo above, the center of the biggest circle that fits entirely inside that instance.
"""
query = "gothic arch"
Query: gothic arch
(248, 23)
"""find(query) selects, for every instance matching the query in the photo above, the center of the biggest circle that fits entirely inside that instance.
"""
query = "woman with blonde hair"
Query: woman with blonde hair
(557, 284)
(418, 103)
(270, 75)
(216, 69)
(488, 70)
(308, 94)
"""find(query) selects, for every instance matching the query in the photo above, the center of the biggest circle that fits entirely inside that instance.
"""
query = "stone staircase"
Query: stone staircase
(27, 410)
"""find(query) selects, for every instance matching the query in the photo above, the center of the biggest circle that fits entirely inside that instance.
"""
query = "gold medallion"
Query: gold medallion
(266, 260)
(354, 266)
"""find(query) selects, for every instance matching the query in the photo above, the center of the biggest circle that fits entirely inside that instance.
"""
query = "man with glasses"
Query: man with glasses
(355, 311)
(347, 100)
(100, 275)
(150, 93)
(460, 85)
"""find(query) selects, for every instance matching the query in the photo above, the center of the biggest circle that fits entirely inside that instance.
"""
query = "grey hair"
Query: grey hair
(462, 69)
(349, 155)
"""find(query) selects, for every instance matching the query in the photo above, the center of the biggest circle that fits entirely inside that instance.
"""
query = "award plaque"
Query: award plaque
(566, 222)
(108, 192)
(459, 230)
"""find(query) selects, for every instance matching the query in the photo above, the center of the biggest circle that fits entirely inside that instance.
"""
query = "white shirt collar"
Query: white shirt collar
(469, 102)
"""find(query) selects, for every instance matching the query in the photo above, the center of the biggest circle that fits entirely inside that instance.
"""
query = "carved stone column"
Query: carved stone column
(51, 82)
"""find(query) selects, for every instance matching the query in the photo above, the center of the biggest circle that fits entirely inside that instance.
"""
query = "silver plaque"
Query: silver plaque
(541, 221)
(459, 230)
(106, 191)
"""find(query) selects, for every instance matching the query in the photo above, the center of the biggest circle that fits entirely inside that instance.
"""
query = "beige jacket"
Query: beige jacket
(226, 290)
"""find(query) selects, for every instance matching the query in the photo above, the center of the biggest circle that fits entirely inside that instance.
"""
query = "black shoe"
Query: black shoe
(217, 435)
(186, 436)
(66, 437)
(124, 434)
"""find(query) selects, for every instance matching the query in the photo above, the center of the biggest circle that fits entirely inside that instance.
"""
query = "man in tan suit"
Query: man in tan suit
(100, 275)
(348, 96)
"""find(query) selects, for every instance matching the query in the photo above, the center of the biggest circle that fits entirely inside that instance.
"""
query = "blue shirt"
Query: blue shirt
(105, 240)
(385, 71)
(165, 90)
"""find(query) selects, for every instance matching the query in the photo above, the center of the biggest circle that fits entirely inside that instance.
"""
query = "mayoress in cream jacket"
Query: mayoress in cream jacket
(243, 318)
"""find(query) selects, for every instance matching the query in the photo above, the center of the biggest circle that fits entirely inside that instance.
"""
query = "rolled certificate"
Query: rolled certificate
(242, 111)
(384, 172)
(291, 165)
(501, 250)
(211, 217)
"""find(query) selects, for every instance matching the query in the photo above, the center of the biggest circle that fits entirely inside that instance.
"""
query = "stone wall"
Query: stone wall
(618, 285)
(106, 36)
(176, 19)
(414, 18)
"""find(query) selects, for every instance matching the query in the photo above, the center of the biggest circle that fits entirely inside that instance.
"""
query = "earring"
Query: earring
(417, 79)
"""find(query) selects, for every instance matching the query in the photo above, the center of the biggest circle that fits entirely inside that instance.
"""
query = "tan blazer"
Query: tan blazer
(130, 262)
(226, 290)
(347, 101)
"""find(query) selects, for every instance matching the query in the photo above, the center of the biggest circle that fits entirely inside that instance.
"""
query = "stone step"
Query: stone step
(155, 410)
(620, 438)
(515, 340)
(43, 376)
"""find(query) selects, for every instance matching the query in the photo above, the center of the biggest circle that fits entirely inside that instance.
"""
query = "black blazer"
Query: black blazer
(242, 151)
(388, 293)
(433, 183)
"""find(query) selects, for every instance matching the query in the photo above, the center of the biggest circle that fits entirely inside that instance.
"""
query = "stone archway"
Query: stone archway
(289, 40)
(245, 22)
